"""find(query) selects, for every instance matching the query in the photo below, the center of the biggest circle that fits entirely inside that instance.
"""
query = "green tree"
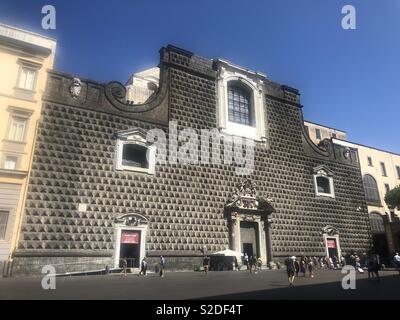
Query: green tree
(392, 198)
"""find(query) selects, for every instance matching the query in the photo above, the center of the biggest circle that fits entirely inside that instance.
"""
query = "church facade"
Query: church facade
(98, 194)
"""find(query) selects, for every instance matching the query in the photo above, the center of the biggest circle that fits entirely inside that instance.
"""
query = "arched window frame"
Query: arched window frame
(251, 80)
(368, 189)
(323, 171)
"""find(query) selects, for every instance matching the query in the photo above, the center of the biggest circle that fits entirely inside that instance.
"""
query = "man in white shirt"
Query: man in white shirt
(397, 261)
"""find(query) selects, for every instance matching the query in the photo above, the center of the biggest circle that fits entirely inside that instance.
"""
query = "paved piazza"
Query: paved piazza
(269, 284)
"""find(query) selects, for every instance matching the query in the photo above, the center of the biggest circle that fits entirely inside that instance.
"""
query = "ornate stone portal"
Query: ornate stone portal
(247, 210)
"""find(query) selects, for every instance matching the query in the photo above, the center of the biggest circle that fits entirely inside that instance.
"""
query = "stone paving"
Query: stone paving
(268, 284)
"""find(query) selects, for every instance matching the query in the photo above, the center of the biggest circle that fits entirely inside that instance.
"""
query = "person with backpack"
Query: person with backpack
(162, 266)
(290, 269)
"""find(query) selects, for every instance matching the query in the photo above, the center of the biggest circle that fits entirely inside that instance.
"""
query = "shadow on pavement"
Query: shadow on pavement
(388, 288)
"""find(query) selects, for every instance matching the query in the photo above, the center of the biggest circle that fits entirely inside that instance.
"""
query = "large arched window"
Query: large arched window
(371, 190)
(240, 106)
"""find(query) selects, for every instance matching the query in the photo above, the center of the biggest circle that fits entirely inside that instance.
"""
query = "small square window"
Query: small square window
(323, 184)
(334, 135)
(17, 129)
(3, 224)
(318, 133)
(10, 163)
(27, 79)
(134, 153)
(370, 162)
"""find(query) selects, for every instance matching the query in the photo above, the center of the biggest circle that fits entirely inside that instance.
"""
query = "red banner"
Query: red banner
(131, 237)
(331, 244)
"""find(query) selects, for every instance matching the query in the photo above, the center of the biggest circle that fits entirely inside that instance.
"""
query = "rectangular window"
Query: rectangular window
(17, 129)
(387, 188)
(3, 224)
(334, 135)
(318, 133)
(10, 163)
(370, 162)
(27, 78)
(398, 172)
(307, 130)
(383, 169)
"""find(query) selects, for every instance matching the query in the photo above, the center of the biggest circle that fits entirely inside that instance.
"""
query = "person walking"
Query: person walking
(162, 266)
(143, 267)
(310, 266)
(259, 263)
(296, 266)
(254, 263)
(251, 264)
(303, 266)
(124, 265)
(290, 269)
(246, 260)
(396, 260)
(373, 267)
(206, 264)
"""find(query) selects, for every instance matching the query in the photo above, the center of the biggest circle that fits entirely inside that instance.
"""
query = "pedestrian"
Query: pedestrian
(246, 260)
(396, 259)
(124, 265)
(303, 266)
(206, 264)
(290, 269)
(259, 263)
(254, 263)
(162, 266)
(373, 267)
(143, 267)
(343, 261)
(334, 261)
(310, 267)
(296, 266)
(251, 264)
(321, 262)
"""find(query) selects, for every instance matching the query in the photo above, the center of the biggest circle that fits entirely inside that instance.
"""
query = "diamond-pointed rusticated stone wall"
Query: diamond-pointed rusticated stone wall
(74, 163)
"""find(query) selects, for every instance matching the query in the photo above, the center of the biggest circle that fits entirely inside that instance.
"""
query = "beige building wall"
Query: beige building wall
(324, 132)
(25, 58)
(373, 167)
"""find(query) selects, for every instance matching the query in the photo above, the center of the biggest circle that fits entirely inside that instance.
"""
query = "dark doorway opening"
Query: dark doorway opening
(248, 248)
(380, 247)
(129, 253)
(332, 247)
(249, 238)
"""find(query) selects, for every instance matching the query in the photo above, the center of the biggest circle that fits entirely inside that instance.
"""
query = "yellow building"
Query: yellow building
(25, 58)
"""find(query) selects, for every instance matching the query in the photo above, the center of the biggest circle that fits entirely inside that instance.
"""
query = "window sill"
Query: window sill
(13, 173)
(28, 91)
(325, 195)
(15, 141)
(138, 170)
(241, 130)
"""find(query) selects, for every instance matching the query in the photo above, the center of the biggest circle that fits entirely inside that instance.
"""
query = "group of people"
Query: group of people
(252, 263)
(143, 266)
(294, 266)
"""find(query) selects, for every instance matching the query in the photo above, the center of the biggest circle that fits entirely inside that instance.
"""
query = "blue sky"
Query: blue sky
(349, 79)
